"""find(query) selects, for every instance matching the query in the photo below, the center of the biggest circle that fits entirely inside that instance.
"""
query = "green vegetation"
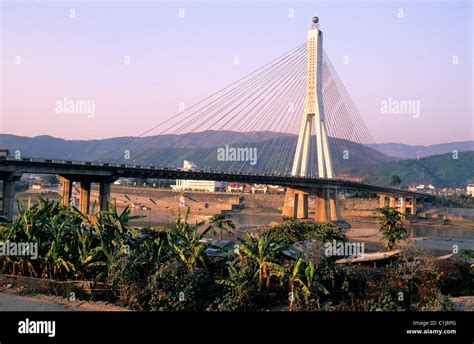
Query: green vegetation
(391, 226)
(466, 253)
(170, 268)
(462, 201)
(291, 231)
(220, 224)
(395, 180)
(439, 170)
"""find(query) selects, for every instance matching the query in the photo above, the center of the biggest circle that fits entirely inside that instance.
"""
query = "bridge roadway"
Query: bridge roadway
(88, 172)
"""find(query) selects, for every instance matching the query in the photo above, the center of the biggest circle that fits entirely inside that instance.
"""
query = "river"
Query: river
(437, 238)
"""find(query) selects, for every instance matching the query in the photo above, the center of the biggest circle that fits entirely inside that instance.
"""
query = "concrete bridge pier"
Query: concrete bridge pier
(392, 201)
(327, 205)
(85, 190)
(66, 190)
(8, 193)
(104, 195)
(322, 206)
(85, 196)
(289, 208)
(411, 204)
(296, 204)
(334, 205)
(403, 205)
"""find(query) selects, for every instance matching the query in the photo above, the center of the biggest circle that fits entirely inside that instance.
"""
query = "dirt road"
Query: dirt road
(12, 302)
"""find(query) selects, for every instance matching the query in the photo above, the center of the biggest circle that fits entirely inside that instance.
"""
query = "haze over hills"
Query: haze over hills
(51, 147)
(275, 150)
(200, 147)
(440, 170)
(403, 151)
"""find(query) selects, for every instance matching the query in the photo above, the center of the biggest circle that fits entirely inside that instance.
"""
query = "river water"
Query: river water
(439, 239)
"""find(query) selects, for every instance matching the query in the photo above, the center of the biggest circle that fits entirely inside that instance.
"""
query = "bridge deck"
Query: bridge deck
(112, 170)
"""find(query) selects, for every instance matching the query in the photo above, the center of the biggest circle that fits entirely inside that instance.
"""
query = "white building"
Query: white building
(470, 190)
(195, 185)
(429, 189)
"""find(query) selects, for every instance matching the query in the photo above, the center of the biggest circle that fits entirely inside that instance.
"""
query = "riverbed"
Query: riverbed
(440, 238)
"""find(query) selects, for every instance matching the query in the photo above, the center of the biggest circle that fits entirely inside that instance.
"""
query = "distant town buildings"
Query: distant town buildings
(449, 192)
(254, 188)
(446, 192)
(347, 176)
(195, 185)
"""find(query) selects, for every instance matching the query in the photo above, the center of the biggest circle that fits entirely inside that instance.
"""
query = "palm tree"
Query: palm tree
(221, 223)
(262, 251)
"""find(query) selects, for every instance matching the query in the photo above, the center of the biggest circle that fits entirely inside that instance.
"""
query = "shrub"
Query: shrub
(386, 302)
(439, 303)
(291, 231)
(240, 290)
(174, 288)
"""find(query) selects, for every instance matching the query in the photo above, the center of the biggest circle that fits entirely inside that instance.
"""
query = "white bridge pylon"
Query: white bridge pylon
(327, 199)
(313, 111)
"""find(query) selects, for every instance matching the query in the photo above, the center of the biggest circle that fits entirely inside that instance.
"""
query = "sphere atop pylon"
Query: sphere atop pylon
(315, 20)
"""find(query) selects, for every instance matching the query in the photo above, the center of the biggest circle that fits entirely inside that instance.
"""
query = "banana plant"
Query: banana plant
(304, 285)
(288, 274)
(237, 281)
(185, 242)
(261, 251)
(57, 257)
(310, 286)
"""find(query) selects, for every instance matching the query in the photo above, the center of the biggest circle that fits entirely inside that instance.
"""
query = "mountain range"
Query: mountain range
(414, 164)
(403, 151)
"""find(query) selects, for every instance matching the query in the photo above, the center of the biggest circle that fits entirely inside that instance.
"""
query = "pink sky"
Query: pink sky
(177, 60)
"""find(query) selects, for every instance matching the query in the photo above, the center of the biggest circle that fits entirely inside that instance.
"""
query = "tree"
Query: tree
(221, 223)
(391, 226)
(395, 180)
(261, 251)
(52, 179)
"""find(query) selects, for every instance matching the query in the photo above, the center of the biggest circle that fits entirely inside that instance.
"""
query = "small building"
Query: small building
(235, 187)
(37, 185)
(257, 188)
(428, 189)
(275, 189)
(470, 190)
(195, 185)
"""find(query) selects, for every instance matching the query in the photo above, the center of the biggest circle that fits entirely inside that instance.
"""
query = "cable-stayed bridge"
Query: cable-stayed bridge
(301, 130)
